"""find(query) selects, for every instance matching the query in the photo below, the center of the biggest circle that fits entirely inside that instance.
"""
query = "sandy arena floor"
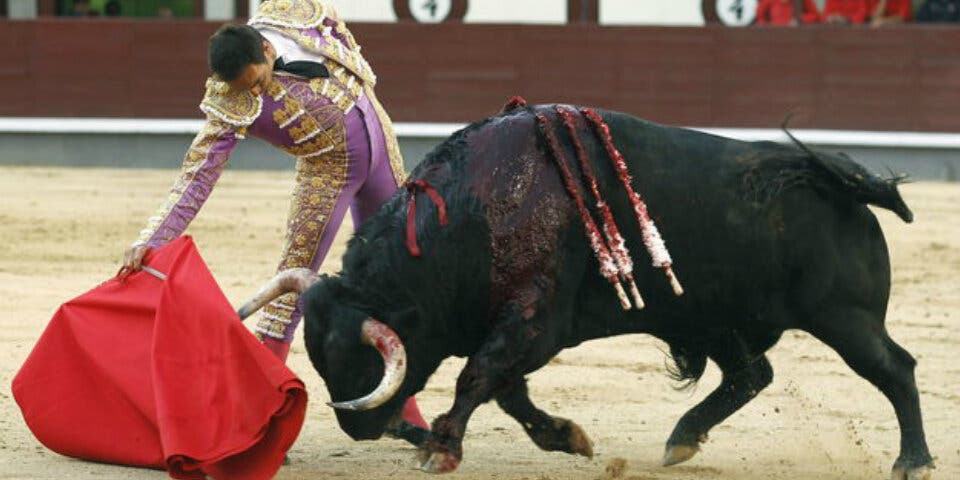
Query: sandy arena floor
(63, 231)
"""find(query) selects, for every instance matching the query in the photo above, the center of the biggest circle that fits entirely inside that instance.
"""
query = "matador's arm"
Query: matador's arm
(202, 166)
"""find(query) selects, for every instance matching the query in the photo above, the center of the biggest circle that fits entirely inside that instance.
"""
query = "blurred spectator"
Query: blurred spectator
(939, 11)
(845, 11)
(885, 12)
(81, 8)
(112, 8)
(781, 12)
(165, 12)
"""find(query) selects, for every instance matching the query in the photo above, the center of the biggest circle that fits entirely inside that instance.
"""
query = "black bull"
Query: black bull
(764, 238)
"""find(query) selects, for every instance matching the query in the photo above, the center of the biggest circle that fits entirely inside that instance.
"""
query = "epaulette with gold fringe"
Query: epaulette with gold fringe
(239, 109)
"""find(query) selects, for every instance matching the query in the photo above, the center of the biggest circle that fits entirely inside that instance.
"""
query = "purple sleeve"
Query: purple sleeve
(202, 166)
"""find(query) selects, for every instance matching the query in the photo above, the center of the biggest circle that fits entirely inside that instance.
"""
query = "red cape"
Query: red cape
(161, 373)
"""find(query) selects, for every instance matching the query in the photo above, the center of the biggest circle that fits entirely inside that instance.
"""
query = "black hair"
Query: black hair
(232, 48)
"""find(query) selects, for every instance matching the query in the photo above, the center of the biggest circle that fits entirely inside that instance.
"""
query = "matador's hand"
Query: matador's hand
(133, 257)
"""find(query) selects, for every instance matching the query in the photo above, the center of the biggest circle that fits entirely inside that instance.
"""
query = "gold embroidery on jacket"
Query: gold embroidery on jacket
(239, 109)
(193, 161)
(290, 13)
(306, 130)
(320, 182)
(276, 90)
(321, 143)
(301, 126)
(288, 112)
(343, 93)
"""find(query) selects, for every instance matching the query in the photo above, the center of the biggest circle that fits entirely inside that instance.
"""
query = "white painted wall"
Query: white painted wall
(651, 12)
(20, 9)
(373, 11)
(517, 11)
(219, 10)
(550, 12)
(478, 11)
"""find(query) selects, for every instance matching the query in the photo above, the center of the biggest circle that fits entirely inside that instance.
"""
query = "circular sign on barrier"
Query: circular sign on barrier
(430, 11)
(736, 13)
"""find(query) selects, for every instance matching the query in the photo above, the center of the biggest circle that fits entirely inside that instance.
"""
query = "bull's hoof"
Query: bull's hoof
(580, 443)
(678, 453)
(438, 462)
(560, 435)
(917, 473)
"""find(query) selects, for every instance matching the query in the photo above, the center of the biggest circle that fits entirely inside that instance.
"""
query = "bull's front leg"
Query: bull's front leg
(548, 432)
(509, 352)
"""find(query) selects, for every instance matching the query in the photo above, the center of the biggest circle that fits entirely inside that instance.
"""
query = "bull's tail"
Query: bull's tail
(865, 186)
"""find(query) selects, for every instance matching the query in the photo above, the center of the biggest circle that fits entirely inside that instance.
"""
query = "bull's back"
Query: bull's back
(750, 223)
(737, 236)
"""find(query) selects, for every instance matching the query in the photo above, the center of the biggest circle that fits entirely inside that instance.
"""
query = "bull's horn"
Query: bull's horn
(292, 280)
(378, 335)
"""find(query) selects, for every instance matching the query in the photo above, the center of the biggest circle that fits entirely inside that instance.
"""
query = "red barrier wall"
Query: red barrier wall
(898, 78)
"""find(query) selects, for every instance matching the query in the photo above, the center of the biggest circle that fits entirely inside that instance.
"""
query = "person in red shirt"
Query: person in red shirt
(780, 12)
(845, 11)
(885, 12)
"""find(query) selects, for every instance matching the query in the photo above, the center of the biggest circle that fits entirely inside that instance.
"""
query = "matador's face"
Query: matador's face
(256, 76)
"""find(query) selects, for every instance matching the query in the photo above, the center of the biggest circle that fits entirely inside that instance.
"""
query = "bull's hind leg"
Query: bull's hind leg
(744, 376)
(862, 341)
(548, 432)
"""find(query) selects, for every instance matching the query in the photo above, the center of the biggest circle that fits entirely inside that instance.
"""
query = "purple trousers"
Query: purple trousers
(369, 181)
